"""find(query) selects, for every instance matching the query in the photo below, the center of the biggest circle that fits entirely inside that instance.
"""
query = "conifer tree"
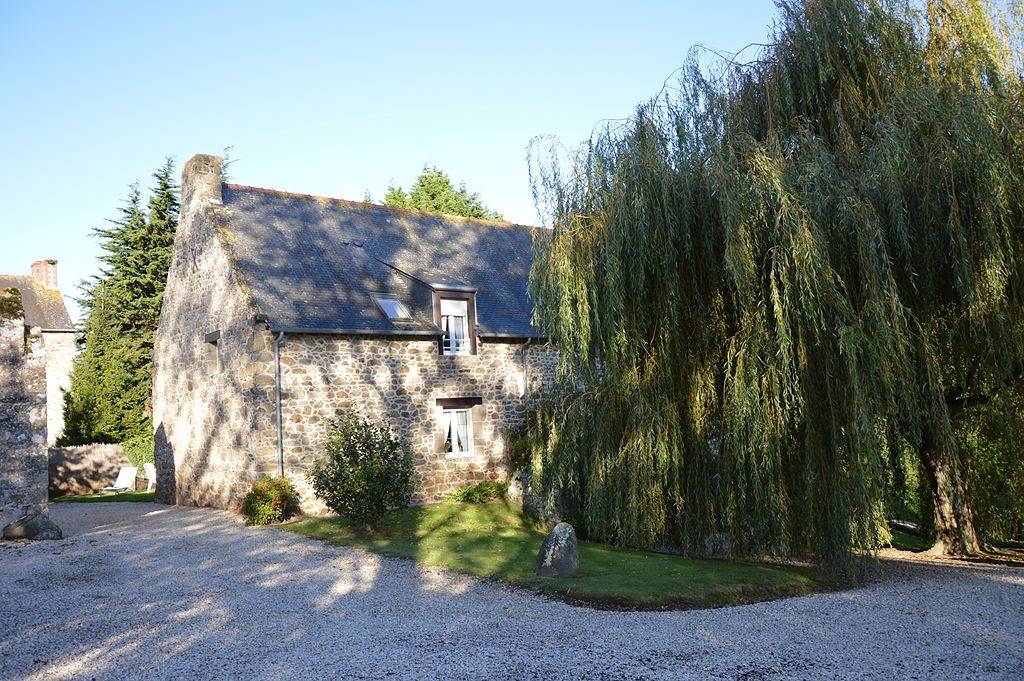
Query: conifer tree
(434, 192)
(108, 400)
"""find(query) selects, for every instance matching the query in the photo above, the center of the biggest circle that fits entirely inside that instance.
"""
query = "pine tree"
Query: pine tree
(433, 192)
(111, 381)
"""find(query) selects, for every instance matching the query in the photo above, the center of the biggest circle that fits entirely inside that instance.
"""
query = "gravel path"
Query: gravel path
(144, 591)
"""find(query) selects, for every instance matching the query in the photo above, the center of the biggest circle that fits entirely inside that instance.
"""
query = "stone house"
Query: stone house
(282, 310)
(46, 316)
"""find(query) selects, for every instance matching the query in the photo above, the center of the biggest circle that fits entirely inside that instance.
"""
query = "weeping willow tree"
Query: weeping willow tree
(782, 273)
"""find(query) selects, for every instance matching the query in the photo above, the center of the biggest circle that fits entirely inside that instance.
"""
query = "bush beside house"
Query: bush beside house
(365, 472)
(269, 500)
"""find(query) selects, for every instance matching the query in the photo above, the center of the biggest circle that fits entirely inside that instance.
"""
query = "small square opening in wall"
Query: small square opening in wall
(212, 349)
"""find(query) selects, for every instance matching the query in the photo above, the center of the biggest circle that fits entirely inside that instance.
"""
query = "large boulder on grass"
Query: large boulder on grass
(559, 556)
(33, 526)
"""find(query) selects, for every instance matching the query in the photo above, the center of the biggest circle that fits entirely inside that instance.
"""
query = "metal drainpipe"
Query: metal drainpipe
(277, 401)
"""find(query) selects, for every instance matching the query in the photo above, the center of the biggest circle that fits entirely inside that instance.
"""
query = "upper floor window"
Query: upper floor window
(455, 324)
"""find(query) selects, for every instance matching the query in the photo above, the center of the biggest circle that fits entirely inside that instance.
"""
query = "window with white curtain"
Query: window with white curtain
(455, 324)
(458, 431)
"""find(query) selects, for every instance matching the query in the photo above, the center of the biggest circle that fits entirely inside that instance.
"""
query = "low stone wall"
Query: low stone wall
(22, 413)
(84, 469)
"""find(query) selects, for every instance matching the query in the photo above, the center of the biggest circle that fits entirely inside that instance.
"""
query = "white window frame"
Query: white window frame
(451, 345)
(447, 421)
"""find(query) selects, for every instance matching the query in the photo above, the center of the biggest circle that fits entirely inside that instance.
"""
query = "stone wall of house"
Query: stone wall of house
(84, 469)
(22, 413)
(399, 381)
(60, 353)
(213, 403)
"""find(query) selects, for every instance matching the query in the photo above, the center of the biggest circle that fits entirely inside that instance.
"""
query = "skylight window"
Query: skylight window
(393, 309)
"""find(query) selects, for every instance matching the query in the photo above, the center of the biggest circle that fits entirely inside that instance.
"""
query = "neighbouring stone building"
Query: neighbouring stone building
(46, 316)
(22, 411)
(282, 310)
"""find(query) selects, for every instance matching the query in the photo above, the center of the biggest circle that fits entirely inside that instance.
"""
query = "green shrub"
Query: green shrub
(10, 303)
(479, 493)
(139, 450)
(990, 438)
(520, 453)
(366, 470)
(269, 500)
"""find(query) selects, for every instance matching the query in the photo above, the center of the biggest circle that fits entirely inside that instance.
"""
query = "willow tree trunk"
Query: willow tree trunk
(952, 520)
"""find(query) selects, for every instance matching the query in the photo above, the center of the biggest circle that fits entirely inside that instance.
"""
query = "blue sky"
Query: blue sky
(323, 98)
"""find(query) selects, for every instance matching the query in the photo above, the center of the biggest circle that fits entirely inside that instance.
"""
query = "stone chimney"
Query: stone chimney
(45, 272)
(201, 180)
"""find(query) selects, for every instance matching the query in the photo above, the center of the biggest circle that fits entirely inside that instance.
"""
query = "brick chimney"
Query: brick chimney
(45, 272)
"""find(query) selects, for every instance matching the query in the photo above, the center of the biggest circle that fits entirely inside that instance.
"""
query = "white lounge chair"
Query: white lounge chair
(150, 471)
(125, 480)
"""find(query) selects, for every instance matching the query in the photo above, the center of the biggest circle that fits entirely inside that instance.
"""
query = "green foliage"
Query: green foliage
(781, 269)
(906, 488)
(479, 493)
(111, 380)
(995, 467)
(365, 471)
(10, 304)
(520, 447)
(433, 192)
(139, 449)
(269, 500)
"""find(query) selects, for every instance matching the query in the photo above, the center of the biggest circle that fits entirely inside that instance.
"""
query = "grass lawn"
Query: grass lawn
(905, 541)
(104, 496)
(495, 542)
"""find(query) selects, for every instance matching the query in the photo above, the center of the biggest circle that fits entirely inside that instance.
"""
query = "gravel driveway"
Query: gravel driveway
(144, 591)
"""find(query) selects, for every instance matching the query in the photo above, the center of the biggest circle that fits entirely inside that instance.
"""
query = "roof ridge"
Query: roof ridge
(364, 204)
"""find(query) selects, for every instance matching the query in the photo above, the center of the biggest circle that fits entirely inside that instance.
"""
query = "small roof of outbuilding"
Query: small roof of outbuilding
(317, 264)
(43, 307)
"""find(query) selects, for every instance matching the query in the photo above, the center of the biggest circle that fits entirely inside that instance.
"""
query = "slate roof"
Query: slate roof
(43, 307)
(316, 264)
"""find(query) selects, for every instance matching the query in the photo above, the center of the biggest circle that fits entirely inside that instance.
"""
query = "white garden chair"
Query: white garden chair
(125, 480)
(150, 471)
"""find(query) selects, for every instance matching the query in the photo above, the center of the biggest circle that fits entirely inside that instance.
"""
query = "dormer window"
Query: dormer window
(393, 309)
(455, 325)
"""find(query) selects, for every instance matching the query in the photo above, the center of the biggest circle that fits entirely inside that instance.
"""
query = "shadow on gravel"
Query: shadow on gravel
(143, 581)
(150, 591)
